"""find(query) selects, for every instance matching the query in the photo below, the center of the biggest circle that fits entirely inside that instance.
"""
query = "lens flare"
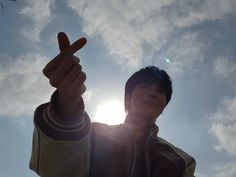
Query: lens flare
(167, 60)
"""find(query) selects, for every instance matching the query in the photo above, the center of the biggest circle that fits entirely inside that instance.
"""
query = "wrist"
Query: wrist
(66, 107)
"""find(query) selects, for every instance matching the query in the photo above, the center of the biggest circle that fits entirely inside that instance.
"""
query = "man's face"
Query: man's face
(146, 100)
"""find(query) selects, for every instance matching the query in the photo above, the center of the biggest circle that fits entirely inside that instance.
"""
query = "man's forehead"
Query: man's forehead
(151, 83)
(151, 80)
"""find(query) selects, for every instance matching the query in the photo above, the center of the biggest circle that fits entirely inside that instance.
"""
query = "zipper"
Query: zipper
(133, 139)
(134, 154)
(147, 155)
(133, 161)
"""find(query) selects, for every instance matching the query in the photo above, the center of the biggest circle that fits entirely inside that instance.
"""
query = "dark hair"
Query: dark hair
(150, 74)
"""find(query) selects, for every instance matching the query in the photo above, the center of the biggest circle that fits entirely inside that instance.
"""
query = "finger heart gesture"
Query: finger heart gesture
(64, 71)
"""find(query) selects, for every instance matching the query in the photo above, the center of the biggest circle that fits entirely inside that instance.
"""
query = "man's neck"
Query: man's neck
(139, 123)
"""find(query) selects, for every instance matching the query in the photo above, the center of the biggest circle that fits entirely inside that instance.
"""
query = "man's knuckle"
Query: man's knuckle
(83, 75)
(76, 60)
(55, 81)
(78, 67)
(52, 83)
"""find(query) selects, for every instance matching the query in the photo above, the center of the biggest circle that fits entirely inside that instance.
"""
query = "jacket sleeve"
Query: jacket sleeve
(60, 148)
(189, 169)
(189, 162)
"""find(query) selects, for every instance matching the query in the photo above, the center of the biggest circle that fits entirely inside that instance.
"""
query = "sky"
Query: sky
(194, 41)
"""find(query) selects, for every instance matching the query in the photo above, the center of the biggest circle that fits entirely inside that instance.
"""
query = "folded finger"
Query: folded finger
(66, 65)
(68, 80)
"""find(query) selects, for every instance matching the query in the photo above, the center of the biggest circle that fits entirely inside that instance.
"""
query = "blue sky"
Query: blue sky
(198, 38)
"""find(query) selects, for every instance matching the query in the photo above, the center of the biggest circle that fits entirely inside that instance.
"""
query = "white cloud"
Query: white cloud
(126, 27)
(39, 13)
(226, 170)
(223, 126)
(22, 85)
(185, 52)
(225, 67)
(195, 12)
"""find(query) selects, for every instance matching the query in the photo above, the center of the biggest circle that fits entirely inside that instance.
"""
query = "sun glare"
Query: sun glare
(110, 112)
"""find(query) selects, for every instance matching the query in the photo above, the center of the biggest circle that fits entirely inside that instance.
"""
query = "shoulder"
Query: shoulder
(189, 161)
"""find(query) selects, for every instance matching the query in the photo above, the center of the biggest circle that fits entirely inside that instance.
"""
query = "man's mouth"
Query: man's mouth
(151, 103)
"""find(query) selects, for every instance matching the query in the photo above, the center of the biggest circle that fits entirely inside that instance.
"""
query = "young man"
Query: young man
(67, 144)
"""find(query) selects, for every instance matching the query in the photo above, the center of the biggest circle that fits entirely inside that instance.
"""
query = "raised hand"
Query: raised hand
(65, 49)
(65, 73)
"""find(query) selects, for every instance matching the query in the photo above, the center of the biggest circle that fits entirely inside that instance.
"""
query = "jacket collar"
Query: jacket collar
(139, 124)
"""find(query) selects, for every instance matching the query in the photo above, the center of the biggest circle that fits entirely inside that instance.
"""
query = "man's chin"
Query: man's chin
(144, 116)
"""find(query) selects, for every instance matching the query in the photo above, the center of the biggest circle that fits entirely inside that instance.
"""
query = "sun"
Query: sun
(110, 112)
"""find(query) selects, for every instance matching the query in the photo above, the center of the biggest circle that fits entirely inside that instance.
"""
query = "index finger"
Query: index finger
(77, 45)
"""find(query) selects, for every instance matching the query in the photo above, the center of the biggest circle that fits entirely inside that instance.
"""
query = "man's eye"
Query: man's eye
(161, 90)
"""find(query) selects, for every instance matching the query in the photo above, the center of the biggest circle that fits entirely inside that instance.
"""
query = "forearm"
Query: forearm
(66, 109)
(60, 149)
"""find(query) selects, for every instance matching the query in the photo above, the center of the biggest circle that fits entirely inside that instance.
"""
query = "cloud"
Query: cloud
(223, 126)
(225, 68)
(39, 13)
(22, 85)
(184, 53)
(226, 170)
(191, 13)
(129, 28)
(124, 27)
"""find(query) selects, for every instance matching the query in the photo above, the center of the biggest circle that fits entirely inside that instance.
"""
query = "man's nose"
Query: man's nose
(153, 91)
